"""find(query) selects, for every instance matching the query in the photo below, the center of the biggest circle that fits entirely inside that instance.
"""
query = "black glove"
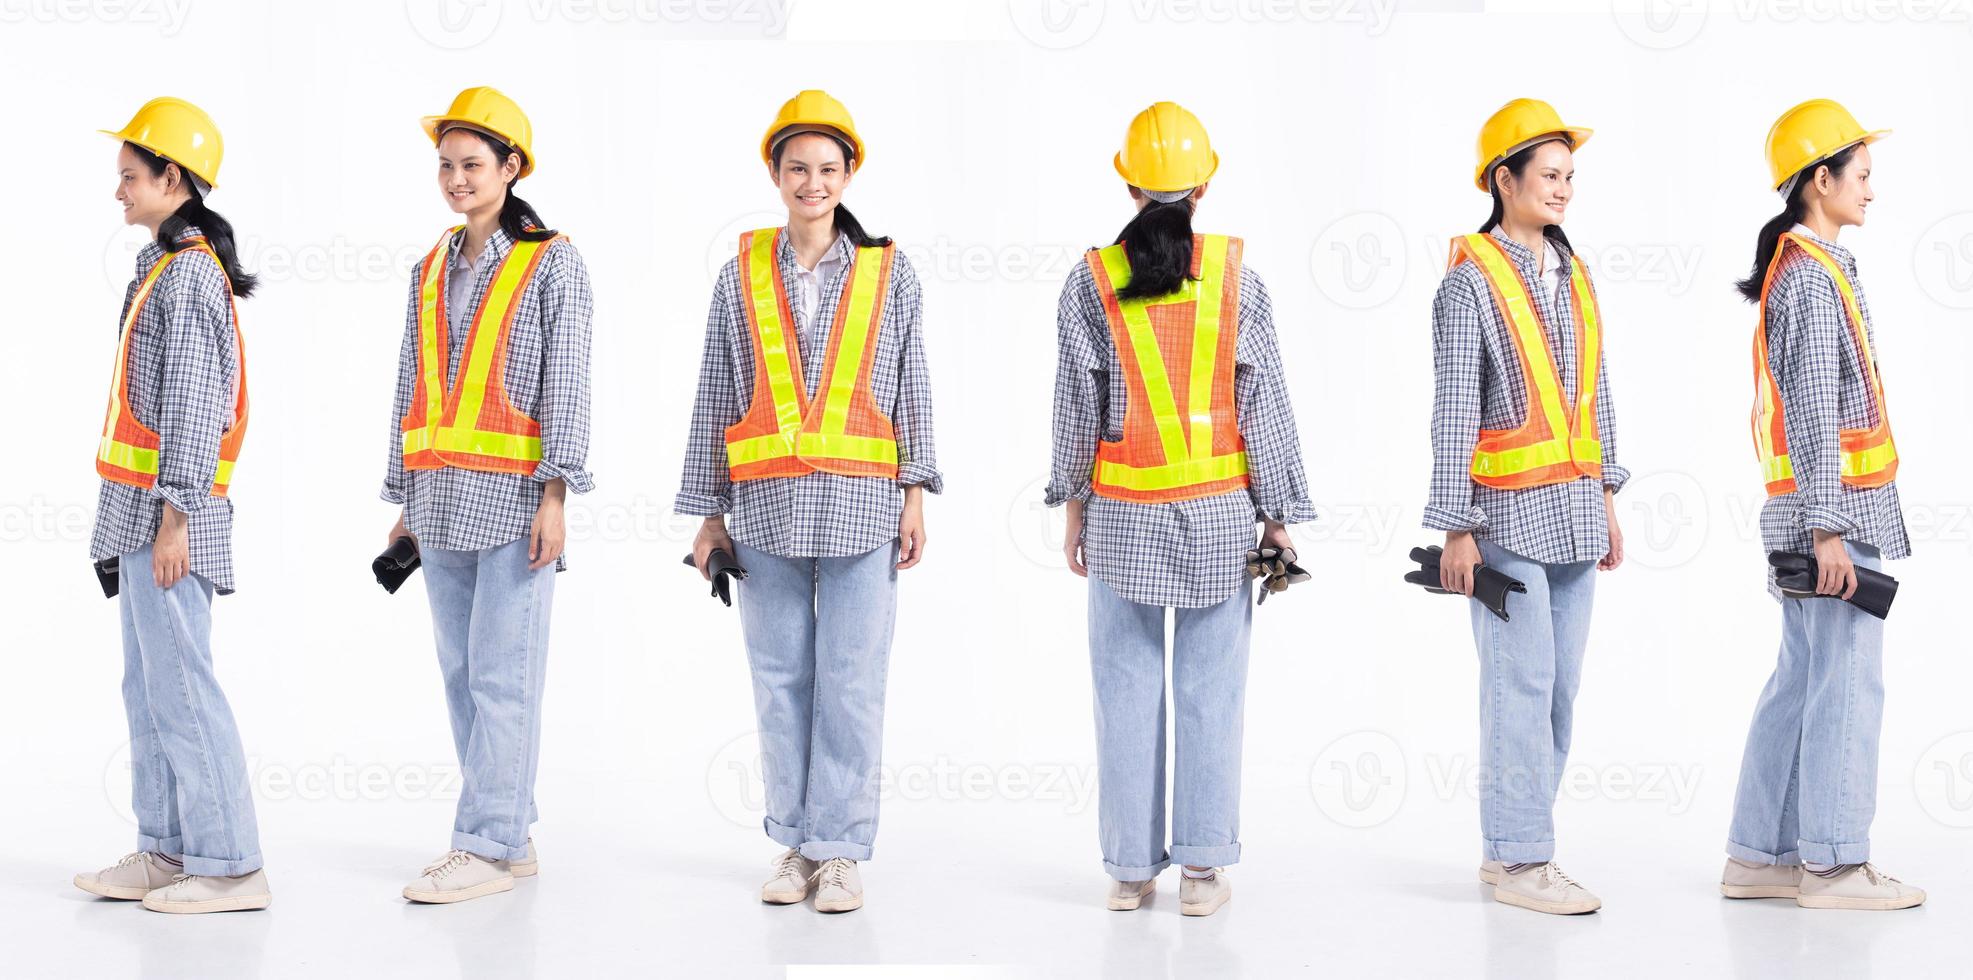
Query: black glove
(1276, 569)
(1490, 586)
(1797, 575)
(396, 564)
(106, 571)
(723, 569)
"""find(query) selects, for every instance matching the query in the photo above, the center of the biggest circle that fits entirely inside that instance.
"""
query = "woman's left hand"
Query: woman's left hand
(1275, 535)
(550, 532)
(911, 528)
(1616, 555)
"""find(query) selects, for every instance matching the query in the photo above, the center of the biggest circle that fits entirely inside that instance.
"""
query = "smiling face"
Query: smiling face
(147, 198)
(470, 175)
(1845, 196)
(1539, 195)
(812, 175)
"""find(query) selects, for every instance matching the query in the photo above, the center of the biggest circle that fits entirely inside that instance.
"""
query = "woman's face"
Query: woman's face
(812, 175)
(147, 199)
(469, 175)
(1845, 197)
(1539, 195)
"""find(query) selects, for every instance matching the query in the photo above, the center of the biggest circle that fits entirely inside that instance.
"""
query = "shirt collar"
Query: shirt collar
(497, 245)
(1521, 254)
(1838, 252)
(152, 251)
(839, 252)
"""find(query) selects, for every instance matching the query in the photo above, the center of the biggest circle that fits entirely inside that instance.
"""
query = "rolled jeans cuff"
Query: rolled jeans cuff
(781, 834)
(487, 848)
(171, 847)
(823, 850)
(1206, 856)
(1750, 855)
(1145, 873)
(221, 867)
(1849, 852)
(1520, 852)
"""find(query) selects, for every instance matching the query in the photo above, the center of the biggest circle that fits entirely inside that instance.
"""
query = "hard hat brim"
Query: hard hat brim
(1868, 138)
(123, 135)
(825, 126)
(1578, 135)
(1124, 172)
(434, 125)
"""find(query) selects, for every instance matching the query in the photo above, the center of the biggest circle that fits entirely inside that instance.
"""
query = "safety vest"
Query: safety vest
(127, 453)
(473, 425)
(1169, 453)
(1869, 457)
(784, 433)
(1553, 444)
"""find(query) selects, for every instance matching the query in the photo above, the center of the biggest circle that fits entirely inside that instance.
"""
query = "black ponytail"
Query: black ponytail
(1517, 164)
(194, 214)
(845, 222)
(517, 217)
(1158, 243)
(1791, 215)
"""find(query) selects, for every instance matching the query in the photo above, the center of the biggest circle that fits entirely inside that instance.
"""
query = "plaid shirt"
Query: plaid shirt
(1815, 362)
(1479, 385)
(815, 515)
(547, 377)
(181, 378)
(1190, 553)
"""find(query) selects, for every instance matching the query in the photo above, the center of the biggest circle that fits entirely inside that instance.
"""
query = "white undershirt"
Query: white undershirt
(809, 282)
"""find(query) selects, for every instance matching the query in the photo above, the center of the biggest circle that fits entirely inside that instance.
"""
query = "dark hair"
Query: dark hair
(1791, 214)
(846, 222)
(1516, 164)
(517, 217)
(1158, 243)
(194, 214)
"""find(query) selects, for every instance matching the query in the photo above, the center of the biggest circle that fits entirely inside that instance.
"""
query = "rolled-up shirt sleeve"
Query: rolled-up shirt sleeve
(567, 307)
(706, 488)
(1081, 389)
(407, 373)
(195, 397)
(911, 417)
(1275, 477)
(1809, 333)
(1458, 371)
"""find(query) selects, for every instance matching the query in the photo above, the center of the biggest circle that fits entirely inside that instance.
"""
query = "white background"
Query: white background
(1346, 133)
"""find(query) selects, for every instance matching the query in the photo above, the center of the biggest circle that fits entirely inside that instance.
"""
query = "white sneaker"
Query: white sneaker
(1861, 886)
(1743, 880)
(525, 867)
(459, 876)
(1203, 896)
(1490, 872)
(789, 885)
(1544, 888)
(189, 894)
(838, 886)
(136, 874)
(1126, 896)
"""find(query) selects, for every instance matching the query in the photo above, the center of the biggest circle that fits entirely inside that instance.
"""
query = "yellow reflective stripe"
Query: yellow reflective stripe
(224, 474)
(1592, 353)
(1588, 449)
(864, 270)
(481, 442)
(429, 330)
(1526, 326)
(491, 321)
(1205, 344)
(1506, 462)
(1144, 349)
(1778, 468)
(836, 445)
(123, 344)
(128, 457)
(418, 440)
(1184, 473)
(769, 332)
(1872, 460)
(773, 445)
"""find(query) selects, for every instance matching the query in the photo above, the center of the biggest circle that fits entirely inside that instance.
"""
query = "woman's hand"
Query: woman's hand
(170, 554)
(550, 531)
(712, 537)
(1838, 576)
(1072, 539)
(1274, 534)
(911, 528)
(1456, 563)
(398, 530)
(1616, 555)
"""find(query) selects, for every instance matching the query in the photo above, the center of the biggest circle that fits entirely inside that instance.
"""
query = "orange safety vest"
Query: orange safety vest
(472, 426)
(1553, 444)
(127, 453)
(841, 431)
(1167, 454)
(1870, 458)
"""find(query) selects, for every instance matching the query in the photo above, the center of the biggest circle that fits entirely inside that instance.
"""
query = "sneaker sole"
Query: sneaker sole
(122, 893)
(1204, 908)
(1859, 904)
(236, 903)
(1552, 908)
(481, 890)
(783, 898)
(1489, 877)
(1759, 891)
(527, 870)
(839, 905)
(1132, 904)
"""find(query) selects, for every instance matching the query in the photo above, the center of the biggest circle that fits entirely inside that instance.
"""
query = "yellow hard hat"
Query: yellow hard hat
(488, 109)
(812, 111)
(1810, 133)
(1513, 127)
(180, 132)
(1166, 149)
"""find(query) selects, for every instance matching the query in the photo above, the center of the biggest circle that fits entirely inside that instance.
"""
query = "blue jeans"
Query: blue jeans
(1530, 669)
(1209, 686)
(1808, 780)
(818, 634)
(188, 773)
(490, 618)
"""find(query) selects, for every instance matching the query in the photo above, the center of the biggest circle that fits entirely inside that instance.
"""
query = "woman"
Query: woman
(813, 429)
(1524, 479)
(1162, 503)
(1808, 781)
(489, 433)
(177, 416)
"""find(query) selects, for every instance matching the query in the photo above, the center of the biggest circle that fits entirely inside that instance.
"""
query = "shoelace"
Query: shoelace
(452, 861)
(790, 865)
(1555, 875)
(132, 858)
(1876, 876)
(834, 871)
